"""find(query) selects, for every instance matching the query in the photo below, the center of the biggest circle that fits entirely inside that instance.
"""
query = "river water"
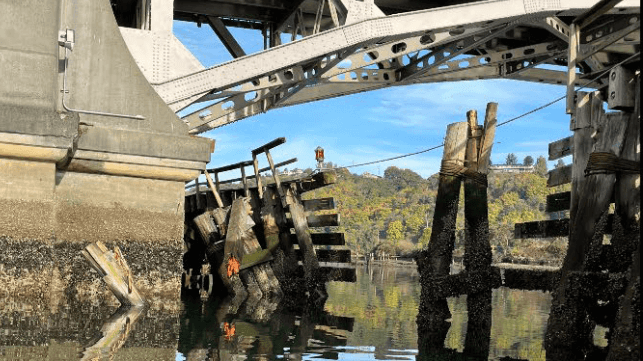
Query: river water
(375, 319)
(371, 319)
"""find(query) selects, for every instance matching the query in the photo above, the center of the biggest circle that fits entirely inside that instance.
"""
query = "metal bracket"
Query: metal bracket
(67, 38)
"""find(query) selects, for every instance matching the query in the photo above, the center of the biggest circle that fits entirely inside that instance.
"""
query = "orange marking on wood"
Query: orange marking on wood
(233, 266)
(228, 331)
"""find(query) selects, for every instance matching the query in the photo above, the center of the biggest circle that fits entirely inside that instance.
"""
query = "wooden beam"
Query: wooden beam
(551, 228)
(323, 220)
(226, 37)
(269, 145)
(558, 202)
(329, 255)
(318, 180)
(460, 284)
(542, 229)
(526, 279)
(281, 164)
(337, 274)
(561, 148)
(559, 176)
(324, 239)
(320, 204)
(231, 167)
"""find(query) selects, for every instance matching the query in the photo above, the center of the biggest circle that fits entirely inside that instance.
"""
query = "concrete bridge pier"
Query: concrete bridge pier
(88, 152)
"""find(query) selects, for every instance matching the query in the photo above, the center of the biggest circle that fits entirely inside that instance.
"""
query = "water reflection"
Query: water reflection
(371, 319)
(115, 332)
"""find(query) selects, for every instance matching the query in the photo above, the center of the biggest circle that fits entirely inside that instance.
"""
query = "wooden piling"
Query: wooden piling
(436, 259)
(627, 193)
(115, 271)
(477, 254)
(590, 198)
(627, 331)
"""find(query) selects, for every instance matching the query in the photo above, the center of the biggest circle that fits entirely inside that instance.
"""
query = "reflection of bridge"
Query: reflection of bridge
(313, 51)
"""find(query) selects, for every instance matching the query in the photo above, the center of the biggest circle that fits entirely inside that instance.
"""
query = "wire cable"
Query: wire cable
(505, 122)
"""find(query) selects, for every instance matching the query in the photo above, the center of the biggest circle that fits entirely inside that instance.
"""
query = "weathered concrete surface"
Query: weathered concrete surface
(51, 274)
(68, 178)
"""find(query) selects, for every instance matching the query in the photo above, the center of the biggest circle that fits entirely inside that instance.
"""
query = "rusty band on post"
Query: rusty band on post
(454, 169)
(607, 163)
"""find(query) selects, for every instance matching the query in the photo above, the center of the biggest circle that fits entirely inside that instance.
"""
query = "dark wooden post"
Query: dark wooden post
(628, 206)
(435, 260)
(477, 254)
(568, 329)
(627, 194)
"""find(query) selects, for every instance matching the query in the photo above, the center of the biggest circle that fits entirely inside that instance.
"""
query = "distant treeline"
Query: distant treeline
(394, 214)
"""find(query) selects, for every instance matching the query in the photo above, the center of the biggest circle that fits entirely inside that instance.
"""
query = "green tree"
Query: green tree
(511, 159)
(425, 237)
(541, 166)
(528, 161)
(394, 231)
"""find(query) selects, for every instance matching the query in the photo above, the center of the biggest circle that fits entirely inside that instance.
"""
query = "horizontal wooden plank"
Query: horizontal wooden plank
(320, 204)
(542, 229)
(269, 145)
(329, 255)
(281, 164)
(552, 228)
(340, 272)
(561, 148)
(461, 283)
(324, 239)
(526, 279)
(560, 176)
(558, 202)
(318, 180)
(226, 168)
(321, 220)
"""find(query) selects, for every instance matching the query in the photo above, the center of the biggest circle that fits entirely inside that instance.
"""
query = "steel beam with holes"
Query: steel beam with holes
(361, 33)
(366, 33)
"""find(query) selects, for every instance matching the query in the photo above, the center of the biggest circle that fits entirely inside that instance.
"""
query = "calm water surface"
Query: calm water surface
(375, 319)
(372, 319)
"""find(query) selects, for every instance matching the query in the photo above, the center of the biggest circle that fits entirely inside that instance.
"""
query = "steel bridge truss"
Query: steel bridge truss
(362, 53)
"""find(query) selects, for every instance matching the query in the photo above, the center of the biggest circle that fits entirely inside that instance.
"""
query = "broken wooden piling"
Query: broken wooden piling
(115, 272)
(477, 254)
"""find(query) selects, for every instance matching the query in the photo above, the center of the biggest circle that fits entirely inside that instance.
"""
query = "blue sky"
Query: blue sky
(382, 123)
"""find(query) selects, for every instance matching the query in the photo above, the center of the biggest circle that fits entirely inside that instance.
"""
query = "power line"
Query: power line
(505, 122)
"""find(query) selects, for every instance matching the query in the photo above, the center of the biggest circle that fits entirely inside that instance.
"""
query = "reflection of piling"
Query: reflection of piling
(115, 332)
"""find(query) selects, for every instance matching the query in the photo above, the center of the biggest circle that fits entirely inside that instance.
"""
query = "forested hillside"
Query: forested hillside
(394, 214)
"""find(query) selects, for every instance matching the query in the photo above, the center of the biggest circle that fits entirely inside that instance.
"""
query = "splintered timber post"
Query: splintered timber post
(438, 255)
(115, 271)
(435, 260)
(477, 256)
(477, 248)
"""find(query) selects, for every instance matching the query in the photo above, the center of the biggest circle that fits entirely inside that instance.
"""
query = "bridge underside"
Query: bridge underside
(315, 50)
